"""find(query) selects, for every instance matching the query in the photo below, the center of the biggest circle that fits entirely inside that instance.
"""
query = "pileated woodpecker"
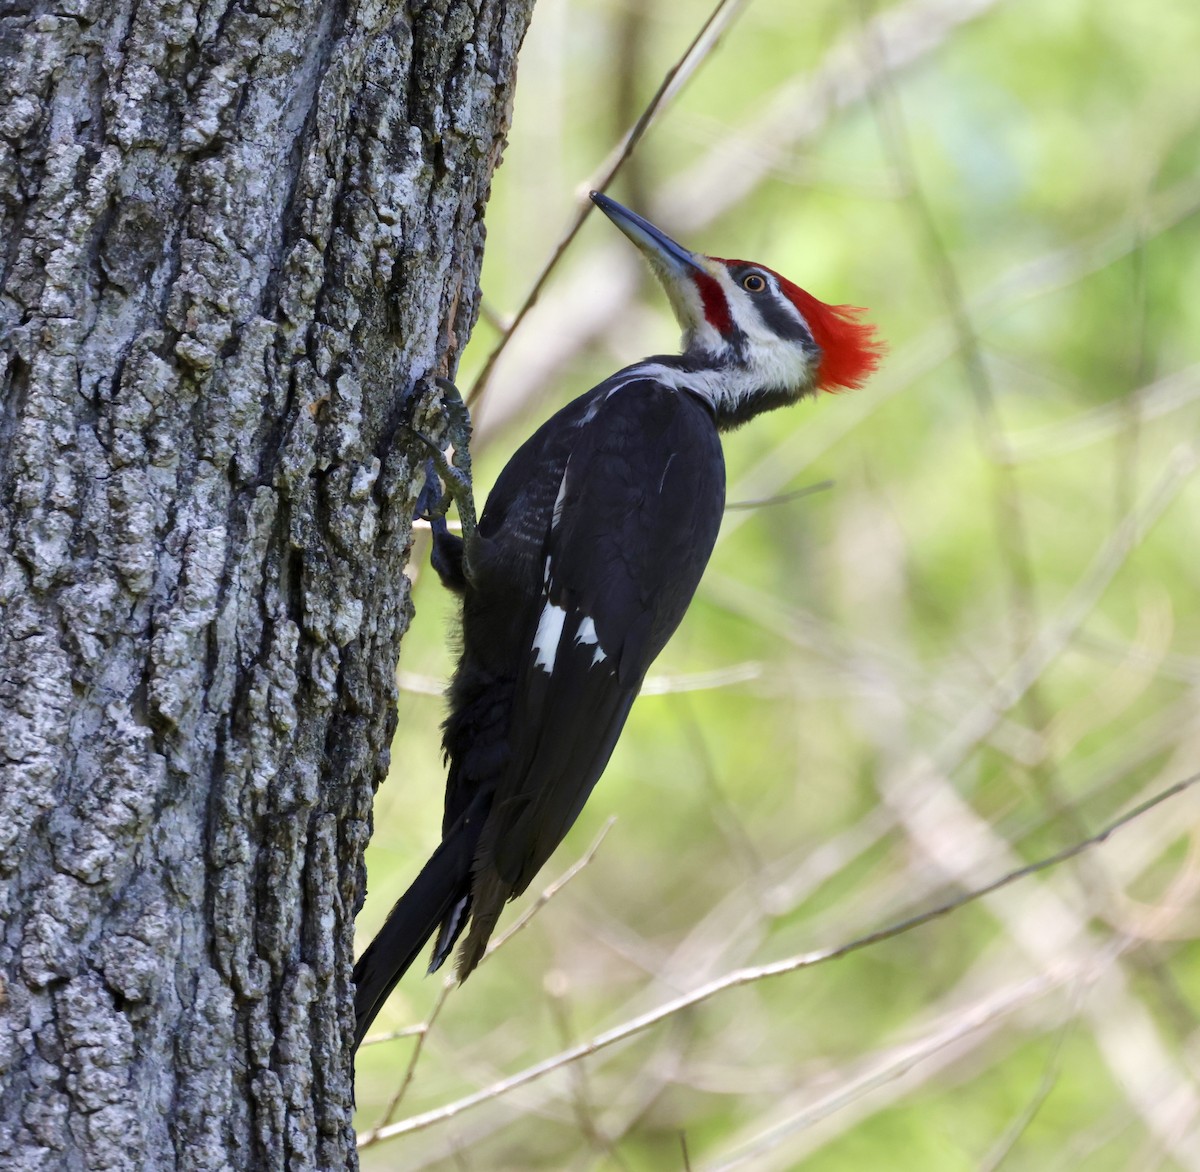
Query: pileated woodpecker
(582, 565)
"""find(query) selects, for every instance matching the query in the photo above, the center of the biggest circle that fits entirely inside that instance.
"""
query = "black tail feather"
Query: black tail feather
(444, 881)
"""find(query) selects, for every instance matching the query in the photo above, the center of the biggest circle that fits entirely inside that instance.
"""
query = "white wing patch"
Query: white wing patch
(549, 632)
(587, 635)
(558, 501)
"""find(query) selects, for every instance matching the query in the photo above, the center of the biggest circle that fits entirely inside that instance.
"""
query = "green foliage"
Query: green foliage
(1016, 202)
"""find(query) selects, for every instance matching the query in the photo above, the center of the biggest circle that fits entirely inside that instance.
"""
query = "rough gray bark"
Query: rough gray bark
(234, 240)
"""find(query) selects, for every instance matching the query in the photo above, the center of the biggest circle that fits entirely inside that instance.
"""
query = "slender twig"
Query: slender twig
(782, 498)
(975, 726)
(751, 153)
(1009, 514)
(1004, 1146)
(703, 681)
(422, 1032)
(705, 41)
(1173, 392)
(411, 1031)
(751, 975)
(690, 681)
(557, 988)
(420, 525)
(522, 921)
(743, 160)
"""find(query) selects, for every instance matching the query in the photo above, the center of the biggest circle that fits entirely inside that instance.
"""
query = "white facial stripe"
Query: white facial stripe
(729, 386)
(734, 297)
(746, 316)
(698, 333)
(774, 363)
(549, 632)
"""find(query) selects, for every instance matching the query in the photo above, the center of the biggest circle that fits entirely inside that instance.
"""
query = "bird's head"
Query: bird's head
(766, 341)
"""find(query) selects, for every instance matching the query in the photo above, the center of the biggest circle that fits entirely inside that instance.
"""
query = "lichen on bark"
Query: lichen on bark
(236, 243)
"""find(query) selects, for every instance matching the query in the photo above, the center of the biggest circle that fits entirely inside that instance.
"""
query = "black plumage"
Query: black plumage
(610, 521)
(582, 565)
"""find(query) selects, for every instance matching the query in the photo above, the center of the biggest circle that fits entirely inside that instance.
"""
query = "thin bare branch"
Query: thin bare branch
(1012, 1134)
(782, 498)
(985, 1014)
(422, 1032)
(738, 164)
(801, 109)
(656, 685)
(1172, 392)
(703, 681)
(975, 726)
(703, 44)
(522, 921)
(753, 974)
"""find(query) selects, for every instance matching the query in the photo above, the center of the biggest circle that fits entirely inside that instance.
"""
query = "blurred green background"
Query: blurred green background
(978, 646)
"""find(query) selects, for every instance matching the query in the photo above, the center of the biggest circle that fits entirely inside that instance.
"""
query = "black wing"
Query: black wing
(634, 519)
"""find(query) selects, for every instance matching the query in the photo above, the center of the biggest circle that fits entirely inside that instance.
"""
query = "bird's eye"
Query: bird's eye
(753, 283)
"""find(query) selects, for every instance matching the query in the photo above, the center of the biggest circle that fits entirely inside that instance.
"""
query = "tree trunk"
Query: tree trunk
(235, 243)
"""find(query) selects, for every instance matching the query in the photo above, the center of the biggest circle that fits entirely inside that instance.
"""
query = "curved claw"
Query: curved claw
(450, 480)
(431, 501)
(456, 414)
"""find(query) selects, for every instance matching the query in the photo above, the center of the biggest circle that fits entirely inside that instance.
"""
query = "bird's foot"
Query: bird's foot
(448, 479)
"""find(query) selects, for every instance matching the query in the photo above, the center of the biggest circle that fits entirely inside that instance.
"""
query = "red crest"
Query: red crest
(850, 349)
